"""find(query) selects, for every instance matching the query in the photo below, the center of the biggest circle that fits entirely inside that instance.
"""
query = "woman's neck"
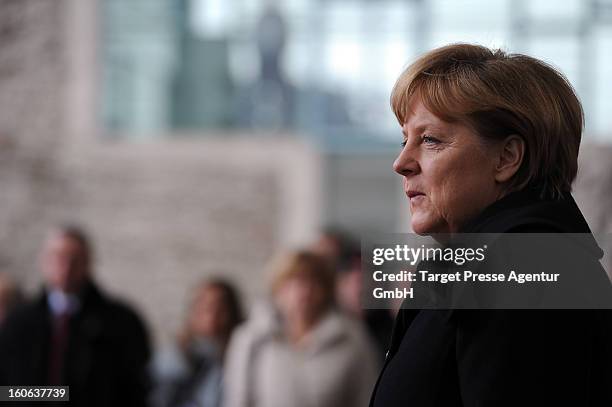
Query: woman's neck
(297, 329)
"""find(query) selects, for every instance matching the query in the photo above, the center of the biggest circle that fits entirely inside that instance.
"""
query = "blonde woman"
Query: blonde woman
(299, 351)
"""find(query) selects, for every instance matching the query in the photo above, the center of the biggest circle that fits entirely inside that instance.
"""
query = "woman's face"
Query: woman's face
(301, 297)
(448, 172)
(210, 315)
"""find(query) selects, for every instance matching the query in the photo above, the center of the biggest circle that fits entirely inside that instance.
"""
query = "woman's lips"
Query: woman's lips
(412, 194)
(415, 197)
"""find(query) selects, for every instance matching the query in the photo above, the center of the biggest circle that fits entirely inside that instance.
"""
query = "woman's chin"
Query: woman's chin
(420, 228)
(424, 227)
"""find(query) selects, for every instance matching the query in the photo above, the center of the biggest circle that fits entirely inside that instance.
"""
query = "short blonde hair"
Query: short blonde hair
(302, 263)
(499, 94)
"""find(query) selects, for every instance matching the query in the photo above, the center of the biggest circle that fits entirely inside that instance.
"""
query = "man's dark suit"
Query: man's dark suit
(106, 355)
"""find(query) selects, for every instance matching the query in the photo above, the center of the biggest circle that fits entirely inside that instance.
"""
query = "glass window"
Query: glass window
(320, 67)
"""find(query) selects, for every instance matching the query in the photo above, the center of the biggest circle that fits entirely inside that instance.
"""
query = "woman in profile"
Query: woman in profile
(190, 372)
(300, 351)
(490, 145)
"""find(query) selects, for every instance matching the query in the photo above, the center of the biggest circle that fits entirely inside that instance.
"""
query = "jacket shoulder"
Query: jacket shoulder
(24, 316)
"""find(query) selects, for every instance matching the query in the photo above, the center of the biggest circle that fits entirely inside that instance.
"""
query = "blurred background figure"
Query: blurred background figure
(189, 373)
(334, 244)
(10, 295)
(300, 351)
(268, 102)
(378, 322)
(344, 254)
(73, 334)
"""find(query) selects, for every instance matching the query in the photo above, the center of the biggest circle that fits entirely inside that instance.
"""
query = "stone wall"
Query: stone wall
(32, 74)
(164, 215)
(593, 186)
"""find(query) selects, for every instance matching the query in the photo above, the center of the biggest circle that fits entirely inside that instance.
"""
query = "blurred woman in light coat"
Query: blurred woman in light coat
(299, 351)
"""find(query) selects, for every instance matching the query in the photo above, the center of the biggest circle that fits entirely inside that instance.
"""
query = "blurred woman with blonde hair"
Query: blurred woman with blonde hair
(299, 351)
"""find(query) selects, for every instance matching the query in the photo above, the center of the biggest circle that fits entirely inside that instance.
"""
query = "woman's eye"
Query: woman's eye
(430, 140)
(404, 143)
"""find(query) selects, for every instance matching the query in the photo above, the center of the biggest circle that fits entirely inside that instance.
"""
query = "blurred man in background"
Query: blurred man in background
(74, 335)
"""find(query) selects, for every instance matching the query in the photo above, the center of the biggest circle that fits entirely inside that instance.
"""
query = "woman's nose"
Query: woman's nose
(405, 164)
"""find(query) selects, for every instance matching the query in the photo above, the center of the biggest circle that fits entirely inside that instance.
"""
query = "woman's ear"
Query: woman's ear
(510, 158)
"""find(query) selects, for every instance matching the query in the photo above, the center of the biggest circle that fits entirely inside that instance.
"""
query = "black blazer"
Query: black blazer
(107, 353)
(497, 358)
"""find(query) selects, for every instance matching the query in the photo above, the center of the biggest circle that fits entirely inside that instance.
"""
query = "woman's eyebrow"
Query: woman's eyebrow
(423, 127)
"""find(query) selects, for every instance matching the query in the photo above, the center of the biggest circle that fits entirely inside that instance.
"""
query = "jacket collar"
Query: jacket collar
(330, 330)
(89, 296)
(524, 211)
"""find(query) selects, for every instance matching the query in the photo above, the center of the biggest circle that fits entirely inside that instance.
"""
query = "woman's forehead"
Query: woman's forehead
(418, 117)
